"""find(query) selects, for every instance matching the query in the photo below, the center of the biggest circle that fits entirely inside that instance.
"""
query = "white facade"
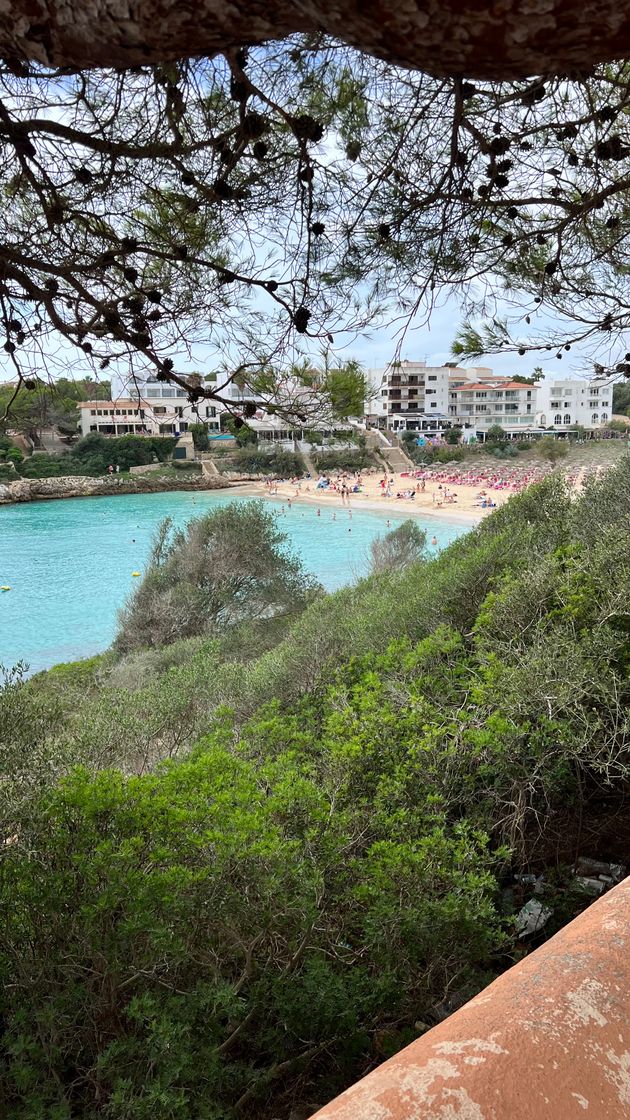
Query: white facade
(482, 404)
(117, 418)
(414, 395)
(173, 411)
(566, 403)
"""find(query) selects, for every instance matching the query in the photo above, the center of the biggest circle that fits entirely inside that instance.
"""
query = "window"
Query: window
(557, 418)
(593, 404)
(594, 392)
(427, 391)
(432, 377)
(159, 411)
(210, 411)
(433, 404)
(555, 404)
(567, 418)
(481, 408)
(594, 418)
(604, 417)
(92, 412)
(480, 396)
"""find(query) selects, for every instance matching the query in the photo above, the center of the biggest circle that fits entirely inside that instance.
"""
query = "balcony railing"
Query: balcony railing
(549, 1038)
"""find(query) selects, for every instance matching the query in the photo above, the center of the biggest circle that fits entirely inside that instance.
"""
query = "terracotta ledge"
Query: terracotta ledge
(549, 1039)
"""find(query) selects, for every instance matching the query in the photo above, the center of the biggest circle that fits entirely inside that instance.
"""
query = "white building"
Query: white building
(482, 404)
(173, 411)
(117, 418)
(566, 403)
(415, 396)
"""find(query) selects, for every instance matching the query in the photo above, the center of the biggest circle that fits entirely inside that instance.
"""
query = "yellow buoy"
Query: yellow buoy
(5, 588)
(135, 573)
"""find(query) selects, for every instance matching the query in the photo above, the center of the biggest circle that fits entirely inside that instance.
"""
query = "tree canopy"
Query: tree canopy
(267, 205)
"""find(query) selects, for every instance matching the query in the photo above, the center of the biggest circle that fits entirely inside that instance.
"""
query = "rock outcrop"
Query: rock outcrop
(39, 489)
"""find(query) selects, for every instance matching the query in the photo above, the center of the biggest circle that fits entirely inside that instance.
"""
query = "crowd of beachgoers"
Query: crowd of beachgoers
(457, 491)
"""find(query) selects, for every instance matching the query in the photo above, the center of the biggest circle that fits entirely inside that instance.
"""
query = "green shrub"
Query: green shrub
(348, 460)
(205, 934)
(199, 433)
(43, 466)
(226, 568)
(275, 463)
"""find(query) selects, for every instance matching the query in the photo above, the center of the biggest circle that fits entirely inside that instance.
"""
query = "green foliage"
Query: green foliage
(325, 862)
(496, 434)
(242, 433)
(621, 397)
(552, 449)
(346, 389)
(275, 462)
(348, 460)
(49, 404)
(399, 548)
(219, 925)
(225, 568)
(453, 436)
(200, 436)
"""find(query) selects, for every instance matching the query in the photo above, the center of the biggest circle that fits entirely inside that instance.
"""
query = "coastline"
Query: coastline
(466, 512)
(83, 486)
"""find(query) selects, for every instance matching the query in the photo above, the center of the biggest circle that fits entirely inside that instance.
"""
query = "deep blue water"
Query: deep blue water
(69, 562)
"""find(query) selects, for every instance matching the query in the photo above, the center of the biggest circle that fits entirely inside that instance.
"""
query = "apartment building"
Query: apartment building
(415, 396)
(563, 404)
(156, 413)
(482, 404)
(173, 411)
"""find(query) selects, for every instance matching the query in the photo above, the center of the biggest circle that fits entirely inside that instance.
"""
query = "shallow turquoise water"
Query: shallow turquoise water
(69, 562)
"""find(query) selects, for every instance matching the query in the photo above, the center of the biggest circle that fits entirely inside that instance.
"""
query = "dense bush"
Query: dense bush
(225, 568)
(224, 926)
(276, 463)
(325, 863)
(122, 451)
(348, 460)
(93, 454)
(43, 465)
(199, 433)
(7, 473)
(396, 550)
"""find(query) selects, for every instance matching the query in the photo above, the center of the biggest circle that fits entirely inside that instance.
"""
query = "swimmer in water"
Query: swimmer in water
(319, 513)
(434, 540)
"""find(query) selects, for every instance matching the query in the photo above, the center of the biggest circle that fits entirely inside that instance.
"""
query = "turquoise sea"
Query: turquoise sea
(69, 562)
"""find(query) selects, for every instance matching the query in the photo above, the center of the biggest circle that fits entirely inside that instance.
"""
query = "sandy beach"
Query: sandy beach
(465, 509)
